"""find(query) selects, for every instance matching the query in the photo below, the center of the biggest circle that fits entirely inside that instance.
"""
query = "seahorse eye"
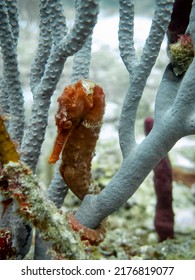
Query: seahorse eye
(67, 125)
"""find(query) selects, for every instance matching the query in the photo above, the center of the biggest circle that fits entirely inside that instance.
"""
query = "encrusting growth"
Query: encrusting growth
(79, 119)
(164, 216)
(180, 46)
(7, 251)
(181, 54)
(89, 236)
(23, 188)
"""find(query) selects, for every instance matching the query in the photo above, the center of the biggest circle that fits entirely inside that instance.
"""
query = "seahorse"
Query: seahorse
(78, 119)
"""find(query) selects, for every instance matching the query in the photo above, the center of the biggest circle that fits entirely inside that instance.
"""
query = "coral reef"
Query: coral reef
(173, 119)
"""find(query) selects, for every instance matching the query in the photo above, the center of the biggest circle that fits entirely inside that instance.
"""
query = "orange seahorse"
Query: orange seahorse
(78, 119)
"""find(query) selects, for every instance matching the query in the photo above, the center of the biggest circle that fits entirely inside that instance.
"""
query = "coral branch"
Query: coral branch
(85, 20)
(4, 109)
(82, 58)
(164, 217)
(8, 43)
(141, 73)
(57, 190)
(12, 11)
(126, 34)
(169, 86)
(82, 62)
(52, 30)
(44, 46)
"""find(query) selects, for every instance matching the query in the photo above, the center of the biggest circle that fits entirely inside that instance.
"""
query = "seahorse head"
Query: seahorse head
(82, 102)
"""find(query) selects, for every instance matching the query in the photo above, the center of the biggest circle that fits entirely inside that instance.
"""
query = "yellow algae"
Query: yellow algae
(7, 148)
